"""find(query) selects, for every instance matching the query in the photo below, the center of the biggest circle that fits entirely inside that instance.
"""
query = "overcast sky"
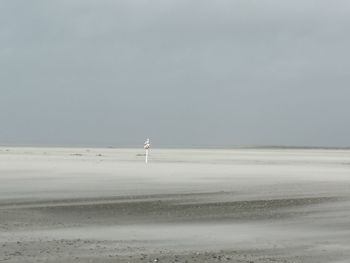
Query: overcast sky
(183, 72)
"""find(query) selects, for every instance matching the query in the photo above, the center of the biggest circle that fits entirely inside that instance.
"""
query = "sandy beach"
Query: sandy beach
(241, 205)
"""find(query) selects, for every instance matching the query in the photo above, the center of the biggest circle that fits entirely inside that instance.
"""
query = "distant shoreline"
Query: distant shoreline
(204, 147)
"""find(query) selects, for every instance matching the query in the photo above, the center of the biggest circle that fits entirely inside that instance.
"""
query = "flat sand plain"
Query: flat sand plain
(241, 205)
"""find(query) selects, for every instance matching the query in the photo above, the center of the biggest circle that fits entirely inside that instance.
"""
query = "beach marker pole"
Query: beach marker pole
(147, 145)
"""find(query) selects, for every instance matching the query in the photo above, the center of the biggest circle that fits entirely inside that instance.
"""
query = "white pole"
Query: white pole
(147, 145)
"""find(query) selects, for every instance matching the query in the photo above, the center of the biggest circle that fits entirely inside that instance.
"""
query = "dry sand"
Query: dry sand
(106, 205)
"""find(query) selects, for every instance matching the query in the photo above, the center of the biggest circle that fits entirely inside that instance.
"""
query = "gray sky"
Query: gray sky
(184, 73)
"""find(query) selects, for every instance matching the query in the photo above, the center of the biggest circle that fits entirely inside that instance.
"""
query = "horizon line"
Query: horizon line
(227, 147)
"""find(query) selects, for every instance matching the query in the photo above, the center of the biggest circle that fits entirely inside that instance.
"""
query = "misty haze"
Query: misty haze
(188, 73)
(174, 131)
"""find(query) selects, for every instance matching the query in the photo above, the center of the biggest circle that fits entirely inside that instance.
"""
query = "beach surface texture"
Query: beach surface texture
(240, 205)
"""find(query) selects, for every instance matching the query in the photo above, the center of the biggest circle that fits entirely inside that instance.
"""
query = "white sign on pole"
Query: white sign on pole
(147, 146)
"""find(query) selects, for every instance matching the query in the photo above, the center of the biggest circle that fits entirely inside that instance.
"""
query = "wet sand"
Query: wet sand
(106, 205)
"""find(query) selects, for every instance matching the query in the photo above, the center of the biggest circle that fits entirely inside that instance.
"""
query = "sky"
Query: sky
(186, 73)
